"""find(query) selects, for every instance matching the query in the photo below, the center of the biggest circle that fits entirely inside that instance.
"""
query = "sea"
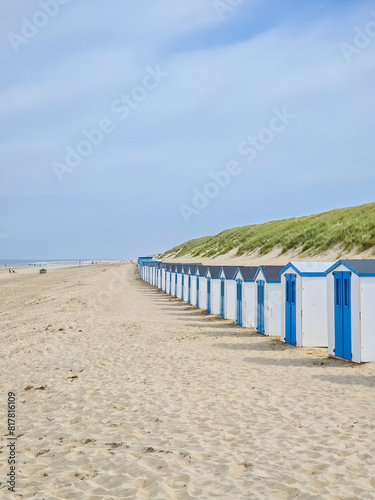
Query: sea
(42, 262)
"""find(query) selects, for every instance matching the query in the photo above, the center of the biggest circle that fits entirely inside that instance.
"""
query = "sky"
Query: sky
(130, 127)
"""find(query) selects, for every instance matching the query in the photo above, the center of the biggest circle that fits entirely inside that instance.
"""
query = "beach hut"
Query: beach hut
(201, 287)
(228, 295)
(213, 289)
(351, 311)
(178, 292)
(189, 279)
(174, 280)
(181, 280)
(155, 278)
(268, 300)
(187, 283)
(194, 285)
(245, 297)
(191, 283)
(167, 278)
(170, 279)
(304, 304)
(161, 281)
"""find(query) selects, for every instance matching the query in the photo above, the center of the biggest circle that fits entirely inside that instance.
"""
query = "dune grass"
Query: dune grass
(347, 229)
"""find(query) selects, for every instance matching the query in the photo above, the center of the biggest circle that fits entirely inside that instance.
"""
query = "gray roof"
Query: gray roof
(360, 266)
(272, 273)
(214, 271)
(248, 272)
(229, 271)
(201, 269)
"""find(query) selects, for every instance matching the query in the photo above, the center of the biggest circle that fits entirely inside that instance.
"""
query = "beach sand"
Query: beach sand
(125, 392)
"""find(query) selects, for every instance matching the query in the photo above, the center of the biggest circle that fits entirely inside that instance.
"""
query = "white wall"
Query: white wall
(167, 282)
(186, 288)
(215, 295)
(248, 304)
(194, 290)
(173, 287)
(230, 299)
(179, 285)
(272, 309)
(314, 312)
(202, 292)
(368, 318)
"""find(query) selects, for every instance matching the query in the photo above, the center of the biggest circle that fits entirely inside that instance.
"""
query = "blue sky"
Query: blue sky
(203, 77)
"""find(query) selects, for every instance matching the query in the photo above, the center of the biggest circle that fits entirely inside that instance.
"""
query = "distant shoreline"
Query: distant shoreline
(44, 263)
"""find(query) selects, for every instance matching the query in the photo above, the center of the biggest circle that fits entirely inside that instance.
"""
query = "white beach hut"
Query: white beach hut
(182, 281)
(304, 304)
(168, 277)
(154, 266)
(158, 275)
(201, 287)
(268, 300)
(246, 297)
(185, 282)
(179, 280)
(228, 297)
(162, 276)
(213, 289)
(174, 280)
(351, 310)
(191, 284)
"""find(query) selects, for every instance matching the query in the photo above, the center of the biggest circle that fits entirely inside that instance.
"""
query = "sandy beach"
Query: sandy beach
(125, 392)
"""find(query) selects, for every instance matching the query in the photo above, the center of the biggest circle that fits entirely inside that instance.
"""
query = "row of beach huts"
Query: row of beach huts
(306, 304)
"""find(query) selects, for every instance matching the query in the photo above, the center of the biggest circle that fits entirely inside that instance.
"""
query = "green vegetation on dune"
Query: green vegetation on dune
(347, 229)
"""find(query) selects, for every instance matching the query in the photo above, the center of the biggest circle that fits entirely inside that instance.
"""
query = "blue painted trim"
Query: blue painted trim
(235, 277)
(303, 275)
(258, 271)
(342, 262)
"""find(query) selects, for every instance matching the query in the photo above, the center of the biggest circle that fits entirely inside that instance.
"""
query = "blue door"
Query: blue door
(175, 286)
(189, 293)
(182, 286)
(343, 315)
(209, 295)
(197, 291)
(291, 313)
(170, 283)
(239, 302)
(222, 298)
(260, 307)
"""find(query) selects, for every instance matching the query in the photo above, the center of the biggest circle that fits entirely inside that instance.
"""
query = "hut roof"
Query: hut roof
(308, 268)
(214, 271)
(247, 272)
(271, 273)
(361, 267)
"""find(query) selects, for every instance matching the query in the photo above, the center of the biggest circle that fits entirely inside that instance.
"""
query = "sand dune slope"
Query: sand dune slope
(124, 392)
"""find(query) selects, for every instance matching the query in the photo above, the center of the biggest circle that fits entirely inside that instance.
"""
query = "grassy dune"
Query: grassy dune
(346, 229)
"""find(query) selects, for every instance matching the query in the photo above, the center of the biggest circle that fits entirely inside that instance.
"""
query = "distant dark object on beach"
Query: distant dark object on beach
(43, 271)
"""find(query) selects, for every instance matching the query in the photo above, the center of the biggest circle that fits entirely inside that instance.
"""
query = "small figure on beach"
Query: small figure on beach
(11, 270)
